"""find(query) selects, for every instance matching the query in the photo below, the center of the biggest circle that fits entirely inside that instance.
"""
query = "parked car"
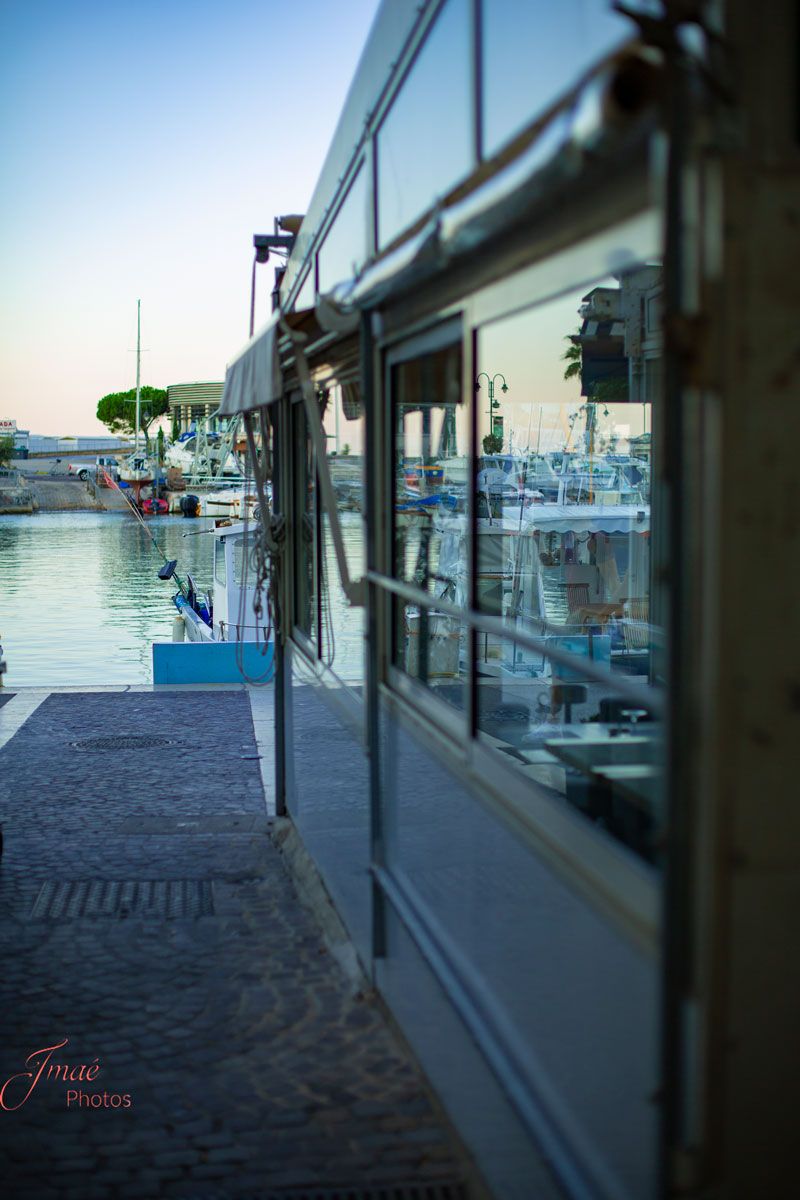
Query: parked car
(81, 469)
(110, 465)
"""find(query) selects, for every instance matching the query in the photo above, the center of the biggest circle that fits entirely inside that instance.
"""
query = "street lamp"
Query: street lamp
(280, 243)
(493, 404)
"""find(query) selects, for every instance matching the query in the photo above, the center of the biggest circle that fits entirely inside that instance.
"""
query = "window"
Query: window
(565, 393)
(305, 535)
(219, 561)
(425, 144)
(429, 517)
(344, 249)
(342, 624)
(532, 53)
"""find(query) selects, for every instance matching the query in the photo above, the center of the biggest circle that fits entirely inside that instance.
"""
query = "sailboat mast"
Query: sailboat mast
(138, 360)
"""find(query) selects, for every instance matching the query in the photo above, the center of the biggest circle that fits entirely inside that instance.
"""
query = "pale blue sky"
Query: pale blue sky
(143, 143)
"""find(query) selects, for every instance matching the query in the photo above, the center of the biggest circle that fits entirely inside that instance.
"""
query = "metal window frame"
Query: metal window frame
(611, 879)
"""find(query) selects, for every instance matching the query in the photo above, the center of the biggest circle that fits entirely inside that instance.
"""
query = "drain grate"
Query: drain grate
(391, 1191)
(123, 741)
(163, 898)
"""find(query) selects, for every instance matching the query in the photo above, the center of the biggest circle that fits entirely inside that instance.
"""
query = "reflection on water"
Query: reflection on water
(80, 600)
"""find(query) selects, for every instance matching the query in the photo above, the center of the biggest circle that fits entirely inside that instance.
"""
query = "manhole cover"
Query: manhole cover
(123, 741)
(166, 898)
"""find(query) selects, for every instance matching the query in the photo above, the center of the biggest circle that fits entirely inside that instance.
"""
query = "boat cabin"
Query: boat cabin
(240, 610)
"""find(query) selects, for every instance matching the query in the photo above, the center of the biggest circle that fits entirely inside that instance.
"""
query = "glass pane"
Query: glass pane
(429, 529)
(551, 47)
(424, 145)
(563, 480)
(219, 562)
(345, 249)
(305, 508)
(307, 294)
(245, 559)
(565, 394)
(591, 747)
(342, 625)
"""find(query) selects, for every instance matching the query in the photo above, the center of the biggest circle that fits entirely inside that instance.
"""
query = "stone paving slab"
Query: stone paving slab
(219, 1055)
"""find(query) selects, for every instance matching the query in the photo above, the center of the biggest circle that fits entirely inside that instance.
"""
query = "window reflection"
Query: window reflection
(342, 624)
(564, 547)
(424, 145)
(305, 508)
(430, 473)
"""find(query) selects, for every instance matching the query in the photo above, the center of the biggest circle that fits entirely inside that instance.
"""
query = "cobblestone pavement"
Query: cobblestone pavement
(152, 936)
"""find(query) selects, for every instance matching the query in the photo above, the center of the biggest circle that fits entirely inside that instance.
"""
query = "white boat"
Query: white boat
(236, 503)
(238, 608)
(206, 456)
(138, 469)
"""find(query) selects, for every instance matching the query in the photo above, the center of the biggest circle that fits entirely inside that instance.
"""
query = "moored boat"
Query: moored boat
(238, 608)
(153, 506)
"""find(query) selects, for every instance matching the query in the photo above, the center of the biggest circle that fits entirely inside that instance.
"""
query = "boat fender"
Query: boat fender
(178, 629)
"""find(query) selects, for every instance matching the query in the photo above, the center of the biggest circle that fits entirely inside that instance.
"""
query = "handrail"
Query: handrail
(486, 623)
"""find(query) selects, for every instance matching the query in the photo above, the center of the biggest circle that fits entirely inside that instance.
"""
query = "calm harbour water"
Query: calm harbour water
(80, 598)
(81, 602)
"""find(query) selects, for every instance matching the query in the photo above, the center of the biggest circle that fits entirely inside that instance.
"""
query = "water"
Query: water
(81, 602)
(80, 598)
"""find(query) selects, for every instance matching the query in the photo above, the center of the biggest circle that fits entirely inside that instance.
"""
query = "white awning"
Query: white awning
(254, 378)
(587, 518)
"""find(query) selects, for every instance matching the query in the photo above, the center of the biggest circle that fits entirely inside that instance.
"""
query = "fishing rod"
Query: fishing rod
(168, 570)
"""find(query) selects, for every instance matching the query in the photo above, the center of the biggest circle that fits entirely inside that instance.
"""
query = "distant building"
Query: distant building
(190, 403)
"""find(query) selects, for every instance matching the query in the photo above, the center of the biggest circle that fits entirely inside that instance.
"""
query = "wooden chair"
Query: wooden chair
(577, 594)
(636, 624)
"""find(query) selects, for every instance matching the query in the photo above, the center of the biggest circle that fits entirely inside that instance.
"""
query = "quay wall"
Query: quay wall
(57, 495)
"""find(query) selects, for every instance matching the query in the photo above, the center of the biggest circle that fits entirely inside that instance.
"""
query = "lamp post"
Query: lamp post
(280, 242)
(493, 404)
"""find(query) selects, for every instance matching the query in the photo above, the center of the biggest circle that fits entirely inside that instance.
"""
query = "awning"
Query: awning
(254, 378)
(588, 518)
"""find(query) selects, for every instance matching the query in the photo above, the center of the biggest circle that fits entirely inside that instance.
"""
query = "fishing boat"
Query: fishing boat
(226, 635)
(239, 611)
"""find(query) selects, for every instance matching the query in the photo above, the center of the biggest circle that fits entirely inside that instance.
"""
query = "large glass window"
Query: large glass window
(564, 395)
(425, 144)
(534, 52)
(429, 517)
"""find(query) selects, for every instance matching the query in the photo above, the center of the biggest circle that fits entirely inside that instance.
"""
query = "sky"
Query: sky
(143, 143)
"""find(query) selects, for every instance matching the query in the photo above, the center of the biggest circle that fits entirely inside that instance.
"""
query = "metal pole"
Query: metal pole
(253, 296)
(138, 361)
